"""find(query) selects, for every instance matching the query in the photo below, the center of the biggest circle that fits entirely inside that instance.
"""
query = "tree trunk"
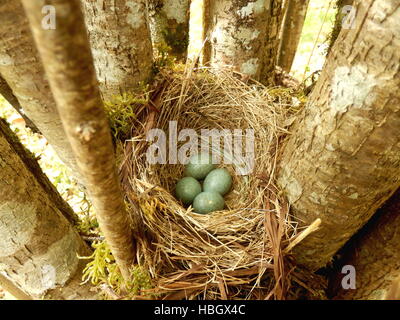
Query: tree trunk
(120, 43)
(169, 24)
(7, 93)
(11, 288)
(21, 68)
(39, 246)
(343, 159)
(205, 54)
(291, 32)
(375, 255)
(244, 35)
(340, 16)
(69, 67)
(270, 54)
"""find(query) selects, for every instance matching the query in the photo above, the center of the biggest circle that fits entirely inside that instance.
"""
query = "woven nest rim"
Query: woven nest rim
(234, 253)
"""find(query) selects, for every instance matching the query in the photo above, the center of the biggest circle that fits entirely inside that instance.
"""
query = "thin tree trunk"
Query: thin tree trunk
(375, 255)
(291, 32)
(69, 67)
(340, 16)
(21, 68)
(39, 246)
(205, 55)
(169, 24)
(120, 43)
(7, 93)
(7, 285)
(342, 161)
(244, 35)
(270, 54)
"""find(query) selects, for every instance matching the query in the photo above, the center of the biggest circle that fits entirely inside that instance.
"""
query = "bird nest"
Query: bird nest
(238, 252)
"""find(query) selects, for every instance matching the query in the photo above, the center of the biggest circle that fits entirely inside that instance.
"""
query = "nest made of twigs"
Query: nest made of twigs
(233, 253)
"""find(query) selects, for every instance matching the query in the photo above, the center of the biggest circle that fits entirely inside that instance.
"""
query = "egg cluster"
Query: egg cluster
(208, 196)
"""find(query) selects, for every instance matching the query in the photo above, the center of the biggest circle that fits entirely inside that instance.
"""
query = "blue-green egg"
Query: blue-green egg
(207, 202)
(218, 180)
(187, 189)
(199, 166)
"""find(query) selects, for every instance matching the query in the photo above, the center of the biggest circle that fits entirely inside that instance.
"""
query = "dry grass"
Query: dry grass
(233, 253)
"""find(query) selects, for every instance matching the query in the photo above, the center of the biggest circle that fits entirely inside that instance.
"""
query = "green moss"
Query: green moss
(102, 268)
(163, 58)
(87, 223)
(337, 26)
(172, 49)
(294, 99)
(140, 280)
(121, 111)
(177, 39)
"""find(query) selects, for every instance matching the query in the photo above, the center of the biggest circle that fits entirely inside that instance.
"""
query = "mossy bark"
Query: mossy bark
(244, 35)
(375, 255)
(120, 41)
(340, 16)
(169, 24)
(21, 68)
(291, 32)
(342, 161)
(39, 246)
(71, 74)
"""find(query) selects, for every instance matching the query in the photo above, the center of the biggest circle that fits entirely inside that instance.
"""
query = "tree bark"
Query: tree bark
(205, 54)
(340, 16)
(7, 93)
(32, 165)
(21, 68)
(393, 291)
(375, 255)
(11, 288)
(169, 24)
(39, 246)
(270, 55)
(69, 67)
(244, 35)
(120, 43)
(291, 32)
(343, 159)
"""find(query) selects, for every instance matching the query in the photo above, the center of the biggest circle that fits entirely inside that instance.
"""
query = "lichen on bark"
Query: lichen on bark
(40, 247)
(21, 68)
(120, 42)
(343, 159)
(243, 35)
(169, 24)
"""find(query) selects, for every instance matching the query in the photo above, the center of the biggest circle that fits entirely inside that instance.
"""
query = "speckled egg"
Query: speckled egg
(187, 189)
(207, 202)
(199, 166)
(218, 180)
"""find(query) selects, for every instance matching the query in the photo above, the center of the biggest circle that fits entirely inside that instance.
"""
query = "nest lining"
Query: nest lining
(225, 254)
